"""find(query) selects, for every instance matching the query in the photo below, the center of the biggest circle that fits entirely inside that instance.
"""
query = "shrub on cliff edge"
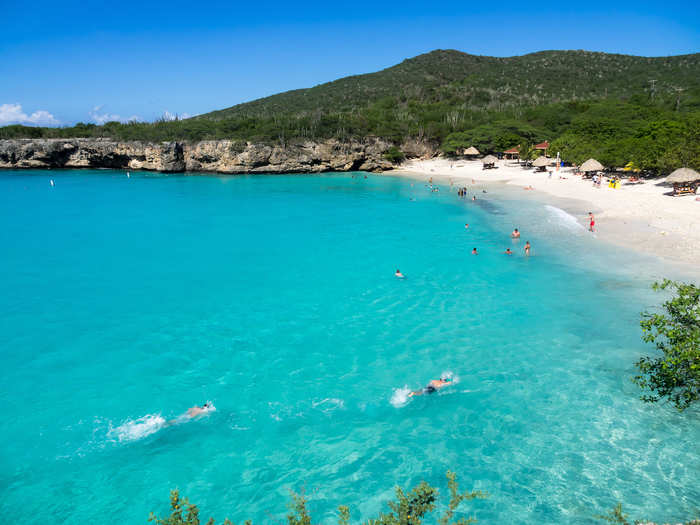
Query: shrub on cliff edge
(394, 155)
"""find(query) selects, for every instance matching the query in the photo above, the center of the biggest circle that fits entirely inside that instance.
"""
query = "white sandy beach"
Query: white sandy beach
(639, 216)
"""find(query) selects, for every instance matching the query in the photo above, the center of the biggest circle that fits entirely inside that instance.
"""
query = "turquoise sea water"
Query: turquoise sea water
(125, 301)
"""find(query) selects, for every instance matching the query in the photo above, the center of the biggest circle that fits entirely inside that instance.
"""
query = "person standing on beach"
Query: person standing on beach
(592, 223)
(527, 247)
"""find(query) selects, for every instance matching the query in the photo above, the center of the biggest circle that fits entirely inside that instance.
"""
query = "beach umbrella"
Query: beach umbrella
(683, 175)
(471, 150)
(489, 159)
(540, 162)
(631, 166)
(592, 165)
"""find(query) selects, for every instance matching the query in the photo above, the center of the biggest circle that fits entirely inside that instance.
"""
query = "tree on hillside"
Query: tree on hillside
(675, 375)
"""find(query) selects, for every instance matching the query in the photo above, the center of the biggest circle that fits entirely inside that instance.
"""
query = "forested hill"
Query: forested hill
(480, 82)
(615, 108)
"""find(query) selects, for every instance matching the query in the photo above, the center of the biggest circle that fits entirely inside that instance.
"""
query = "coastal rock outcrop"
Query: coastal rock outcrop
(222, 156)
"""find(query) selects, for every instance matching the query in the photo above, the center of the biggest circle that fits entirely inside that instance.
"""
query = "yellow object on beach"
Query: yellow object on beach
(631, 166)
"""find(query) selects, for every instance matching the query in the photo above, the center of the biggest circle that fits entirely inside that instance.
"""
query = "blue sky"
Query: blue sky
(64, 62)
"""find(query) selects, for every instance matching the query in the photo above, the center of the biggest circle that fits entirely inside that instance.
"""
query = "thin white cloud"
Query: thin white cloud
(13, 114)
(101, 118)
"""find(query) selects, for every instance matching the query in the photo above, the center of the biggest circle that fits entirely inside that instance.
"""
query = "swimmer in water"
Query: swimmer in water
(197, 410)
(191, 413)
(466, 226)
(515, 234)
(473, 197)
(508, 251)
(399, 274)
(474, 252)
(527, 247)
(432, 387)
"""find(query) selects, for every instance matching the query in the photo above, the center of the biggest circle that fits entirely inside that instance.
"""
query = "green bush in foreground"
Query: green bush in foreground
(675, 376)
(394, 155)
(407, 509)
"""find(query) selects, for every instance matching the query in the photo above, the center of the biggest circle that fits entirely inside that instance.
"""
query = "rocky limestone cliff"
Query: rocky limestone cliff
(222, 156)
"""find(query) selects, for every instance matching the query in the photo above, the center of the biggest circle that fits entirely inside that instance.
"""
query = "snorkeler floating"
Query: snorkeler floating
(432, 387)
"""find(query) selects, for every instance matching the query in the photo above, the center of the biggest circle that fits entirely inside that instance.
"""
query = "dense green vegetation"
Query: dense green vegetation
(587, 104)
(474, 83)
(675, 376)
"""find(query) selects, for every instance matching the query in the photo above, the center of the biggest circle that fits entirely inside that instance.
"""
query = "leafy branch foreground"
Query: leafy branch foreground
(675, 375)
(408, 508)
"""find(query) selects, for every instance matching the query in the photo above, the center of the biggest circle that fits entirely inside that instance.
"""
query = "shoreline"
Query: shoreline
(638, 217)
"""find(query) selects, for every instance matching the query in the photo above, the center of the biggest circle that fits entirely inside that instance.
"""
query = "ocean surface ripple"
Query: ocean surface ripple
(126, 301)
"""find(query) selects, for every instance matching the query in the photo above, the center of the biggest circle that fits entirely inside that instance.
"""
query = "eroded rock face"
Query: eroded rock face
(221, 156)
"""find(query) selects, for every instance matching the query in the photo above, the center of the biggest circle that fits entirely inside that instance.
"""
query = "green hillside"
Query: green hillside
(478, 82)
(587, 104)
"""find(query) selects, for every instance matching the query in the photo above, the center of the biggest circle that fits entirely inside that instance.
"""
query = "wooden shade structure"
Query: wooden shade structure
(512, 153)
(683, 175)
(471, 150)
(544, 146)
(592, 165)
(685, 181)
(489, 161)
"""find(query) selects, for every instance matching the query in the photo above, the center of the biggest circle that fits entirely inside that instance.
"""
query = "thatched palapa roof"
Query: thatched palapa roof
(542, 161)
(592, 165)
(489, 159)
(682, 175)
(471, 150)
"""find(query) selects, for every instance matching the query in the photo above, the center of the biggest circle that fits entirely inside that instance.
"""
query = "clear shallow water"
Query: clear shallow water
(126, 301)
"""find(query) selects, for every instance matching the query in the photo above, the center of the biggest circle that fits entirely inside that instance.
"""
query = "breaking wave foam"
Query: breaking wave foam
(400, 396)
(138, 428)
(559, 217)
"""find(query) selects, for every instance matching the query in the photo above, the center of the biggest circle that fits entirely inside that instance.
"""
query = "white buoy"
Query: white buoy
(52, 183)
